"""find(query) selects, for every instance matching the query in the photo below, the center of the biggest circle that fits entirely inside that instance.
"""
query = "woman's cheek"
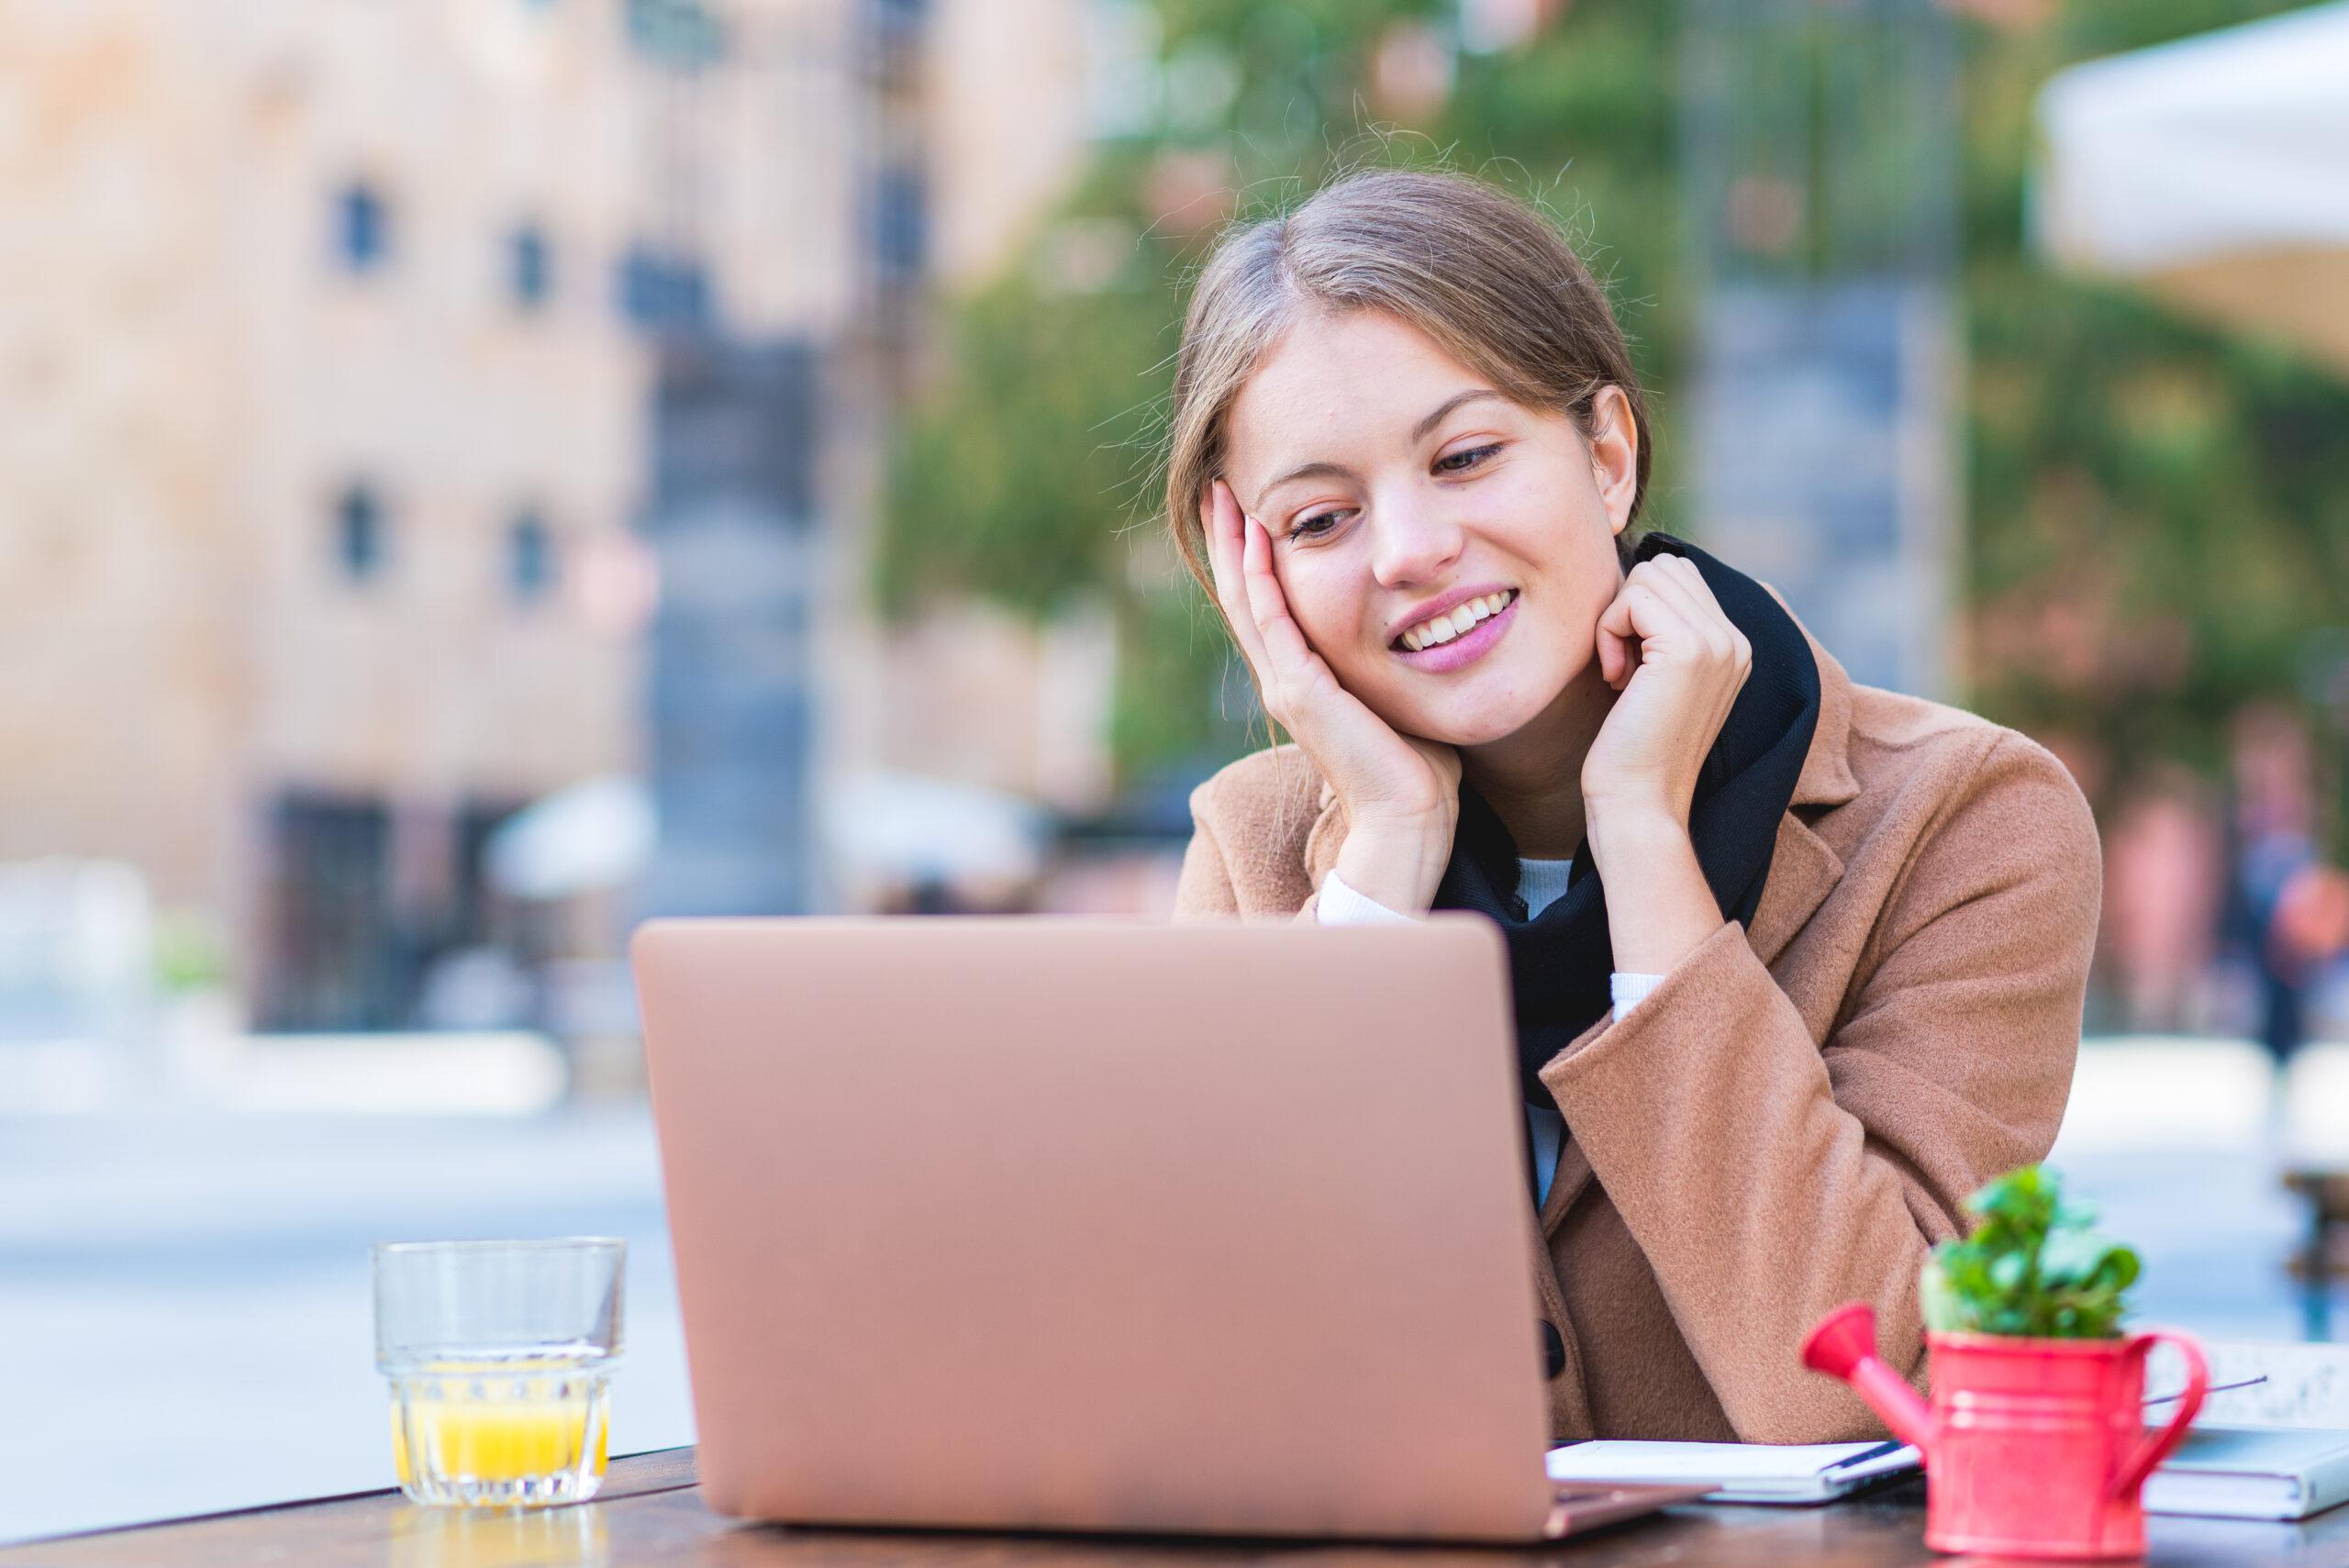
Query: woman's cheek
(1324, 616)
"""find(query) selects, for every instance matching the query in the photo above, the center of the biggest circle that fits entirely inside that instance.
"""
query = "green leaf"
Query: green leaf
(1945, 1308)
(2033, 1266)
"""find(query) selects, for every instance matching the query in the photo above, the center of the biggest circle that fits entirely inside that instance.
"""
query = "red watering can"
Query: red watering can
(2034, 1448)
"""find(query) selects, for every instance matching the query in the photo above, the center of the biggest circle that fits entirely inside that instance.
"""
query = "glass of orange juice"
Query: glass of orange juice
(500, 1355)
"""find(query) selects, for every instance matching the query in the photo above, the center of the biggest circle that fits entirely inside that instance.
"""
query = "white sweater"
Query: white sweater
(1539, 883)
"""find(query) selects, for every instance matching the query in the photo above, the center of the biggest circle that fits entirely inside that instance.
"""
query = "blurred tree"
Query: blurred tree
(2159, 513)
(2158, 516)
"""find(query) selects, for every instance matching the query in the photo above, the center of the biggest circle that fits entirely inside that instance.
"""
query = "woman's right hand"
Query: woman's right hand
(1401, 794)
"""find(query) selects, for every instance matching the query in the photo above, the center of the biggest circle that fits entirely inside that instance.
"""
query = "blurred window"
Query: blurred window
(363, 228)
(334, 959)
(530, 266)
(895, 26)
(530, 557)
(664, 292)
(358, 533)
(900, 227)
(682, 34)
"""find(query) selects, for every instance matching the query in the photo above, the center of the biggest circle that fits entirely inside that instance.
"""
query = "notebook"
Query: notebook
(2246, 1473)
(1745, 1472)
(2251, 1472)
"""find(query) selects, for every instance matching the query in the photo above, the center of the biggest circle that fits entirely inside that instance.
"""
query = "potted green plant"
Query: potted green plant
(2034, 1268)
(2034, 1441)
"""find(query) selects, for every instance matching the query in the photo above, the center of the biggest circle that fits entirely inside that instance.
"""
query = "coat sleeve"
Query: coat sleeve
(1206, 889)
(1769, 1178)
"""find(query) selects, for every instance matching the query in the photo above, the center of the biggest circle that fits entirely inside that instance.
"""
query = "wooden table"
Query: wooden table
(650, 1512)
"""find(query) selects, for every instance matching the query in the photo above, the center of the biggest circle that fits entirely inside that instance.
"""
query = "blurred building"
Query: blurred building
(361, 359)
(1822, 209)
(793, 183)
(1009, 88)
(1012, 95)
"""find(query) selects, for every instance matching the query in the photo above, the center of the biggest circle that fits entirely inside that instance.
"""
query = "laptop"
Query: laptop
(1076, 1224)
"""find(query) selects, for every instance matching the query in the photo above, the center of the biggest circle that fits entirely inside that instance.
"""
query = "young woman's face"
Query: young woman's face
(1396, 485)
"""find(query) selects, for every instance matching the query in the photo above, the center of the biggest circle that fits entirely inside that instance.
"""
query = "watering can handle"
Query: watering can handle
(2154, 1446)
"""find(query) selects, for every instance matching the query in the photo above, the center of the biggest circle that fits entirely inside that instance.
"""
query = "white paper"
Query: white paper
(1741, 1471)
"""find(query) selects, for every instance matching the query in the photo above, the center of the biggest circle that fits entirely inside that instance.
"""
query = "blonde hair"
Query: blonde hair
(1483, 274)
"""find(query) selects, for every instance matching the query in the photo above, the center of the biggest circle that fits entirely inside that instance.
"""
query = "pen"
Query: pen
(1878, 1452)
(2214, 1388)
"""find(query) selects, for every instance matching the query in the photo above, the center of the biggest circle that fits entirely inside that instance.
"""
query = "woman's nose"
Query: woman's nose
(1411, 542)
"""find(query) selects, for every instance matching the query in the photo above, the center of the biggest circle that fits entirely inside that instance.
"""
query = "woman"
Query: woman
(1798, 964)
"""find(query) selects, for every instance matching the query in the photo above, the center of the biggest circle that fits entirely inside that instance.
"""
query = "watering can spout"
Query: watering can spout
(1843, 1346)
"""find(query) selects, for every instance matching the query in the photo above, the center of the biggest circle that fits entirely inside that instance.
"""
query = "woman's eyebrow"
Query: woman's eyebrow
(1339, 471)
(1420, 430)
(1306, 471)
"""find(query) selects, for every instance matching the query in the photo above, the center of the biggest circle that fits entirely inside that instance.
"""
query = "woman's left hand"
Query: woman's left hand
(1679, 663)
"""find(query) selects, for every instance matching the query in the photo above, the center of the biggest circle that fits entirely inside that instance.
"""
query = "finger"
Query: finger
(1741, 647)
(1696, 592)
(1211, 533)
(1284, 641)
(1694, 576)
(1649, 623)
(1642, 611)
(1614, 658)
(1696, 622)
(1220, 517)
(1658, 577)
(1619, 641)
(1225, 558)
(1224, 563)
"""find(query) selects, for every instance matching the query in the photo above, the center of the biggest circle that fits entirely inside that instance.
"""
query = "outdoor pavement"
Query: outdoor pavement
(185, 1318)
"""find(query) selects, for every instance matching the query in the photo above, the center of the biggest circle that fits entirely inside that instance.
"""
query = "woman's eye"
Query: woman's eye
(1322, 523)
(1473, 456)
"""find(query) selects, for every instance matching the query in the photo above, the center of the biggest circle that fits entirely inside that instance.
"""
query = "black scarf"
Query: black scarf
(1560, 961)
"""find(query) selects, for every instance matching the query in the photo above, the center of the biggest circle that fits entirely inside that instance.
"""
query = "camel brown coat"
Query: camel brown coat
(1795, 1116)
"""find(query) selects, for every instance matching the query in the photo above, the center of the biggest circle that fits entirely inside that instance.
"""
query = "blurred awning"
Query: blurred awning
(2213, 170)
(910, 828)
(592, 836)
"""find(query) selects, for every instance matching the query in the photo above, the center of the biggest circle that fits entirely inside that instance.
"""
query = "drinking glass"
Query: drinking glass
(499, 1355)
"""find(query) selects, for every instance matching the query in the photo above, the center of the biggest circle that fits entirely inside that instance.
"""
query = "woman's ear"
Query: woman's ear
(1615, 455)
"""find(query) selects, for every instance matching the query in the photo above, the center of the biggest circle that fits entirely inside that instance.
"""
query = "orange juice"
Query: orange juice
(502, 1431)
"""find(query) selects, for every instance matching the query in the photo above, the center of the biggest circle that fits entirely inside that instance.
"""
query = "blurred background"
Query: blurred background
(474, 473)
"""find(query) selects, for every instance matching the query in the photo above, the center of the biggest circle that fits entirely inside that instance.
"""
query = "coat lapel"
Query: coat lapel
(1573, 1176)
(1803, 871)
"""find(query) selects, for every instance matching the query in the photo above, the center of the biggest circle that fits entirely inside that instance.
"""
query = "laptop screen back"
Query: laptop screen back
(1089, 1225)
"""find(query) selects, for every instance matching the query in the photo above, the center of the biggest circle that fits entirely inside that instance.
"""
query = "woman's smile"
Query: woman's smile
(1463, 648)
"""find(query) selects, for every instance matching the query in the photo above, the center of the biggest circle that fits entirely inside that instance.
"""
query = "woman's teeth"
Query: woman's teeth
(1443, 628)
